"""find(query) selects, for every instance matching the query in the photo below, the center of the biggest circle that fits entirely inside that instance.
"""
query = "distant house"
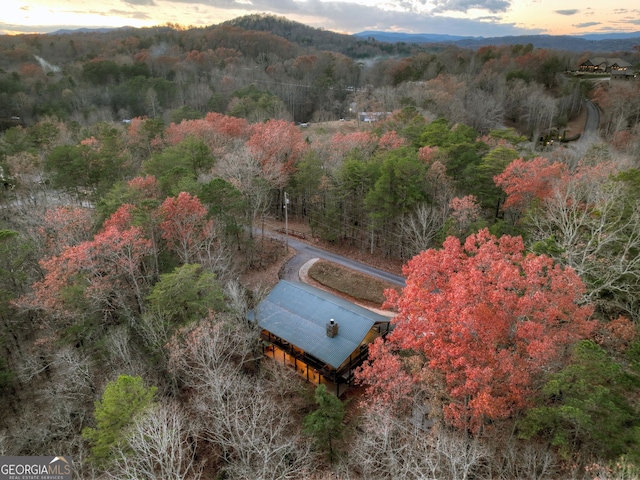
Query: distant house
(623, 74)
(320, 335)
(604, 65)
(373, 117)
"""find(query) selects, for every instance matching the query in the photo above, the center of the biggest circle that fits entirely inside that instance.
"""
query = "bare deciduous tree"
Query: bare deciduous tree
(56, 389)
(243, 171)
(160, 444)
(388, 446)
(122, 357)
(484, 110)
(246, 416)
(596, 225)
(392, 447)
(516, 459)
(421, 227)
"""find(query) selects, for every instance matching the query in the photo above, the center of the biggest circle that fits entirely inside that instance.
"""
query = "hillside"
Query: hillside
(318, 39)
(366, 42)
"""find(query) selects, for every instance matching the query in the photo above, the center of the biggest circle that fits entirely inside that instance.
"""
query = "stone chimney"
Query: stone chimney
(332, 328)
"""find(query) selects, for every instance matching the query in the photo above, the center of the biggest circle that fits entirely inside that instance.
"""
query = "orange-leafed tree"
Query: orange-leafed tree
(483, 320)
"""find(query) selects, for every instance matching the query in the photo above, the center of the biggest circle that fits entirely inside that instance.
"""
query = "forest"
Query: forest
(139, 167)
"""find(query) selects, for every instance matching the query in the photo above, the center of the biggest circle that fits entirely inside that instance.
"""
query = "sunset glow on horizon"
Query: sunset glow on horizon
(455, 17)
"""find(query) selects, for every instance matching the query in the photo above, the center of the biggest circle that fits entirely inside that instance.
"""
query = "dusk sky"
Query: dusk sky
(485, 18)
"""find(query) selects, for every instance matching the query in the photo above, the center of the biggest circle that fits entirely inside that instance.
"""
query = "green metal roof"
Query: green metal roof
(298, 313)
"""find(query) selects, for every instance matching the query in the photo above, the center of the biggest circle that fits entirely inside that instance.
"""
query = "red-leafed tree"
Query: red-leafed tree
(464, 211)
(185, 227)
(121, 219)
(232, 127)
(144, 188)
(343, 143)
(135, 203)
(277, 145)
(217, 131)
(107, 275)
(391, 140)
(525, 181)
(487, 320)
(66, 226)
(145, 136)
(428, 154)
(117, 270)
(199, 128)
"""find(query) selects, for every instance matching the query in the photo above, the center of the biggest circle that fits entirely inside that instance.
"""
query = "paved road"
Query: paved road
(308, 252)
(590, 134)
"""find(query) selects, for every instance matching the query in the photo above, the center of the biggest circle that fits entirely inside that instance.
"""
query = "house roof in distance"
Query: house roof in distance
(298, 313)
(608, 62)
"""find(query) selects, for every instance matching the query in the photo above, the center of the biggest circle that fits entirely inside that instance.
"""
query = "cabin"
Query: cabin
(604, 65)
(322, 336)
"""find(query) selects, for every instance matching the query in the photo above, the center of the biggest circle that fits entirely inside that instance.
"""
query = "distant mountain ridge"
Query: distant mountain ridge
(595, 42)
(609, 36)
(367, 43)
(67, 31)
(305, 35)
(393, 37)
(382, 35)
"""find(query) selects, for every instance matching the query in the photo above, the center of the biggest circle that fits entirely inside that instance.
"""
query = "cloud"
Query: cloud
(255, 5)
(347, 16)
(355, 18)
(310, 8)
(587, 24)
(138, 15)
(140, 2)
(352, 17)
(493, 6)
(567, 12)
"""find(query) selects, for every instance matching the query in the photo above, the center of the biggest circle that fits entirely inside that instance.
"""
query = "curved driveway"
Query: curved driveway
(307, 252)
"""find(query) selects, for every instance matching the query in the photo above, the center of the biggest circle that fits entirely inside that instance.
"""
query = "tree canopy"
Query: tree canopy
(121, 401)
(485, 315)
